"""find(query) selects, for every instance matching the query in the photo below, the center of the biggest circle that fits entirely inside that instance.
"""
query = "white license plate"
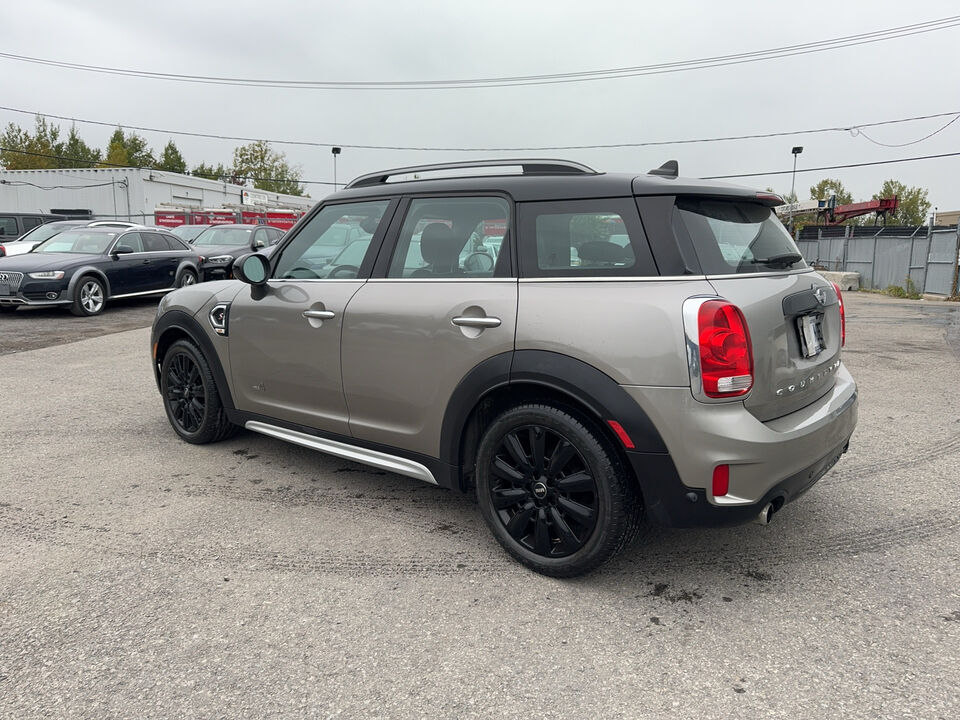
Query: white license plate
(811, 334)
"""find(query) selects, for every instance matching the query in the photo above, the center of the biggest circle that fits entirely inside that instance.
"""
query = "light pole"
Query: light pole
(797, 149)
(336, 151)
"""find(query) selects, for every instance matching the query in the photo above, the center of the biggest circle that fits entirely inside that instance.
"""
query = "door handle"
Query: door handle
(480, 322)
(320, 314)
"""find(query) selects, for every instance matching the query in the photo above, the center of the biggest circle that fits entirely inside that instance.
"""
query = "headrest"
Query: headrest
(438, 246)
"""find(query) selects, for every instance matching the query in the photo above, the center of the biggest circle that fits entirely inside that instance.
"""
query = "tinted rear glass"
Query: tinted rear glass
(736, 237)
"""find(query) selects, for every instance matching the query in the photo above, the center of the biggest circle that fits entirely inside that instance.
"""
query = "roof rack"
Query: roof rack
(529, 166)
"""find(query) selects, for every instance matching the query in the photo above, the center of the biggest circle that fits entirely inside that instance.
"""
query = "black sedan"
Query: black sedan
(84, 267)
(220, 245)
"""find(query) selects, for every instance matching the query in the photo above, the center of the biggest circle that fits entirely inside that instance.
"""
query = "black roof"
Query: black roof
(545, 185)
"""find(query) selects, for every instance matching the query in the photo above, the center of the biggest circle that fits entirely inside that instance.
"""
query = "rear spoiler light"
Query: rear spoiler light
(769, 199)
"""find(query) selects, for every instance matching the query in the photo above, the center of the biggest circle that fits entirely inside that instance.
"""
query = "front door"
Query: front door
(285, 336)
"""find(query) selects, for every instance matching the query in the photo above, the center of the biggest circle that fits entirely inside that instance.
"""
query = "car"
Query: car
(37, 235)
(187, 232)
(655, 380)
(16, 224)
(220, 245)
(83, 268)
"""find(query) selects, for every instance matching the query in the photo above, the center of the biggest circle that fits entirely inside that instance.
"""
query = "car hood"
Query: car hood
(209, 251)
(36, 262)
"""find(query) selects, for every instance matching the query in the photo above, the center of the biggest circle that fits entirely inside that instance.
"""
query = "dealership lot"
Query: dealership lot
(141, 576)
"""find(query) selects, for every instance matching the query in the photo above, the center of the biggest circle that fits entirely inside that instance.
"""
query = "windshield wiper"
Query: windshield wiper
(785, 260)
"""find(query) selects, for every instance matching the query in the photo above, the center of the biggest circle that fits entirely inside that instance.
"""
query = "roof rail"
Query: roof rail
(530, 167)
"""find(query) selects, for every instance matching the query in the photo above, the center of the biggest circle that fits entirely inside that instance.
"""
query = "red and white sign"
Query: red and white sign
(170, 219)
(221, 217)
(251, 217)
(495, 227)
(283, 219)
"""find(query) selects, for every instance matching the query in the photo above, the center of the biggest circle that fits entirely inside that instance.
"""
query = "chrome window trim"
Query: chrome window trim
(622, 278)
(374, 458)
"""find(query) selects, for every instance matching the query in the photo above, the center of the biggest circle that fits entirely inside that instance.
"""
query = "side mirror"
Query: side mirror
(257, 244)
(253, 269)
(122, 250)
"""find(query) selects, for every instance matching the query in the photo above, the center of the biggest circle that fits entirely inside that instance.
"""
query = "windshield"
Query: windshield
(77, 241)
(235, 237)
(44, 232)
(737, 237)
(188, 232)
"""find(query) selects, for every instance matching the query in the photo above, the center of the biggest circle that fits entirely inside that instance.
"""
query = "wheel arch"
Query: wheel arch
(177, 325)
(538, 376)
(83, 272)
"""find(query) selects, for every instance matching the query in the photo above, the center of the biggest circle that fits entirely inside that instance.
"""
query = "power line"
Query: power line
(84, 161)
(834, 167)
(602, 146)
(709, 177)
(520, 80)
(858, 131)
(18, 183)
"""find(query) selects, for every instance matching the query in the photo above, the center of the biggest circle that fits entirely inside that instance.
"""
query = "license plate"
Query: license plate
(810, 328)
(5, 289)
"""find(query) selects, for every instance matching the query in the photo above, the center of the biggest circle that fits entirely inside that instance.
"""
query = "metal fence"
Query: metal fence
(887, 256)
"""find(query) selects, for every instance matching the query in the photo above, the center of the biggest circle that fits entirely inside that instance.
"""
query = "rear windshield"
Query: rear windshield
(737, 237)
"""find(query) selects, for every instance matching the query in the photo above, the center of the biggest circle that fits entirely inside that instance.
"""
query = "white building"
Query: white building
(128, 193)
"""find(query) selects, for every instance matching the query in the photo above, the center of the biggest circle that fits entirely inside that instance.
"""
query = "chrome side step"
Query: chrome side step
(376, 459)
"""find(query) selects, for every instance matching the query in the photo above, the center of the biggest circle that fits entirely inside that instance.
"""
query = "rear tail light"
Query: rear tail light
(843, 316)
(726, 356)
(3, 251)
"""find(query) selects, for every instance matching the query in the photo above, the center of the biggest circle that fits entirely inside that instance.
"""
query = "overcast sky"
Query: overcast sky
(429, 40)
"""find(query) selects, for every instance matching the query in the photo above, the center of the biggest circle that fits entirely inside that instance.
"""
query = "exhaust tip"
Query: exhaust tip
(765, 514)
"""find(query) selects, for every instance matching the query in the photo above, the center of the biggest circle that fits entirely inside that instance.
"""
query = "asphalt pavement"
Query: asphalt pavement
(143, 577)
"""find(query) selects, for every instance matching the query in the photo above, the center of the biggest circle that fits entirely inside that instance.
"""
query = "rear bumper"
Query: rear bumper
(771, 461)
(670, 503)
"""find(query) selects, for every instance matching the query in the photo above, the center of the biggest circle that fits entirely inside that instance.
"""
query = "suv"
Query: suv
(643, 347)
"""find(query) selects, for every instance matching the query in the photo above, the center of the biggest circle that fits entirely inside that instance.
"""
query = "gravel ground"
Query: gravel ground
(144, 577)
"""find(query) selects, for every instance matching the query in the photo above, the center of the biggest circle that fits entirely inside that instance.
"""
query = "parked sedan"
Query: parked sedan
(84, 267)
(220, 245)
(32, 238)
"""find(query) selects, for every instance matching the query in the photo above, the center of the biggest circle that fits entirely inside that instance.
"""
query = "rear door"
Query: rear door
(428, 317)
(285, 353)
(162, 268)
(793, 314)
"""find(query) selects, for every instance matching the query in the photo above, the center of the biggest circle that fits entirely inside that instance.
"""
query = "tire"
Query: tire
(190, 396)
(187, 277)
(554, 492)
(89, 297)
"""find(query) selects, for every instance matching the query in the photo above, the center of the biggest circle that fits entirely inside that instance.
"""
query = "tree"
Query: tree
(827, 187)
(77, 153)
(27, 152)
(129, 150)
(212, 173)
(171, 159)
(267, 168)
(914, 204)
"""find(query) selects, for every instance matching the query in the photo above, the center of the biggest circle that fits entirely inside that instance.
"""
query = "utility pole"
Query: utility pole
(797, 149)
(335, 151)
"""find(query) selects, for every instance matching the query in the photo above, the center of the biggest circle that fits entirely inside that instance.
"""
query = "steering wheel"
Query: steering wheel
(347, 271)
(478, 262)
(301, 273)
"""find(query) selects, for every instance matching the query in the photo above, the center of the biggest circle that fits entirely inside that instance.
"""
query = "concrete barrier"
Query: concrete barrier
(846, 280)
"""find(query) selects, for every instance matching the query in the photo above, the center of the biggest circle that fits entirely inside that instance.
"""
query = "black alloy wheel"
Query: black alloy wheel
(553, 490)
(190, 396)
(545, 494)
(185, 394)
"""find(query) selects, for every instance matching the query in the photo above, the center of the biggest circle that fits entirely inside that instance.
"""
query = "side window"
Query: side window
(333, 244)
(29, 223)
(576, 238)
(153, 242)
(273, 236)
(174, 243)
(131, 240)
(450, 238)
(8, 226)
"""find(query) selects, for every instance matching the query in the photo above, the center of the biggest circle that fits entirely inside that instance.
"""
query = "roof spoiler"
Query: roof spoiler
(669, 169)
